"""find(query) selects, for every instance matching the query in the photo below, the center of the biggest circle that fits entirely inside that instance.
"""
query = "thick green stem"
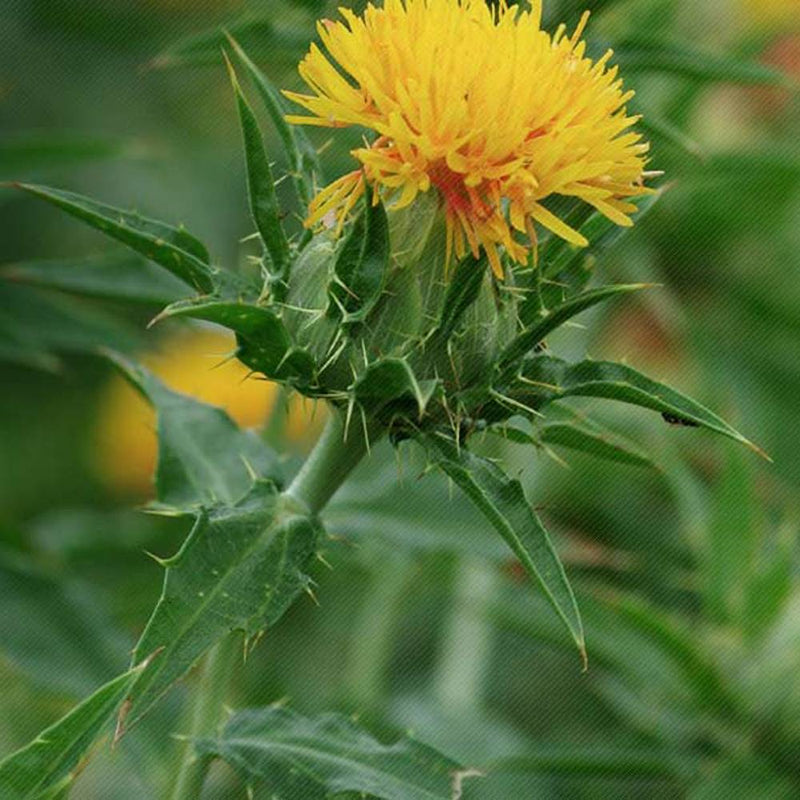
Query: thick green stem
(333, 458)
(206, 715)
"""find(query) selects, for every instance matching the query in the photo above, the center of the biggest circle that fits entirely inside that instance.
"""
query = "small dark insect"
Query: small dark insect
(673, 420)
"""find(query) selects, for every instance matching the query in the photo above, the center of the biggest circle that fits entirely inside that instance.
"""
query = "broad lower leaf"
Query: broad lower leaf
(116, 276)
(362, 263)
(51, 762)
(316, 758)
(203, 458)
(173, 248)
(546, 378)
(502, 501)
(264, 343)
(239, 569)
(555, 317)
(261, 188)
(688, 62)
(302, 156)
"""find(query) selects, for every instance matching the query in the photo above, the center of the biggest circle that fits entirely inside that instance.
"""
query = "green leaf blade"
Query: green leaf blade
(388, 380)
(264, 342)
(320, 757)
(261, 187)
(556, 317)
(49, 763)
(502, 501)
(462, 291)
(547, 378)
(172, 248)
(597, 443)
(302, 156)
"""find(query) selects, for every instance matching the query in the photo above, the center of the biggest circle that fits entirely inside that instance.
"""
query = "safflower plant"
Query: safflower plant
(417, 303)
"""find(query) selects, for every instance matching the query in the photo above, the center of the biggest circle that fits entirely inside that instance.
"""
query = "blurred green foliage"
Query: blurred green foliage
(687, 574)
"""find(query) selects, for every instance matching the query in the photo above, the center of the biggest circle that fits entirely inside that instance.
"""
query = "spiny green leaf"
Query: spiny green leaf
(502, 501)
(390, 379)
(320, 757)
(261, 187)
(554, 318)
(51, 761)
(546, 378)
(264, 343)
(652, 55)
(362, 263)
(203, 458)
(240, 568)
(172, 248)
(117, 276)
(303, 159)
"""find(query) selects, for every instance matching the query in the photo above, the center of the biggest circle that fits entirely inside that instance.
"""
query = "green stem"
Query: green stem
(207, 714)
(333, 458)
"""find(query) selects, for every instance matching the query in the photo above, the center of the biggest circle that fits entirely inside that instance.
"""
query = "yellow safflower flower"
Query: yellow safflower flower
(195, 363)
(480, 105)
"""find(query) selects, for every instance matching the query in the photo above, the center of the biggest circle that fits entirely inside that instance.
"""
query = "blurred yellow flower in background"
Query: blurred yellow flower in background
(772, 13)
(194, 362)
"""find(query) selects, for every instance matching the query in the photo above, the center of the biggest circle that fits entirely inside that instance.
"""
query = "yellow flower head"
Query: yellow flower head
(481, 106)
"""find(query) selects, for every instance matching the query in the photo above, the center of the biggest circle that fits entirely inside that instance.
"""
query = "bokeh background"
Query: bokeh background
(687, 573)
